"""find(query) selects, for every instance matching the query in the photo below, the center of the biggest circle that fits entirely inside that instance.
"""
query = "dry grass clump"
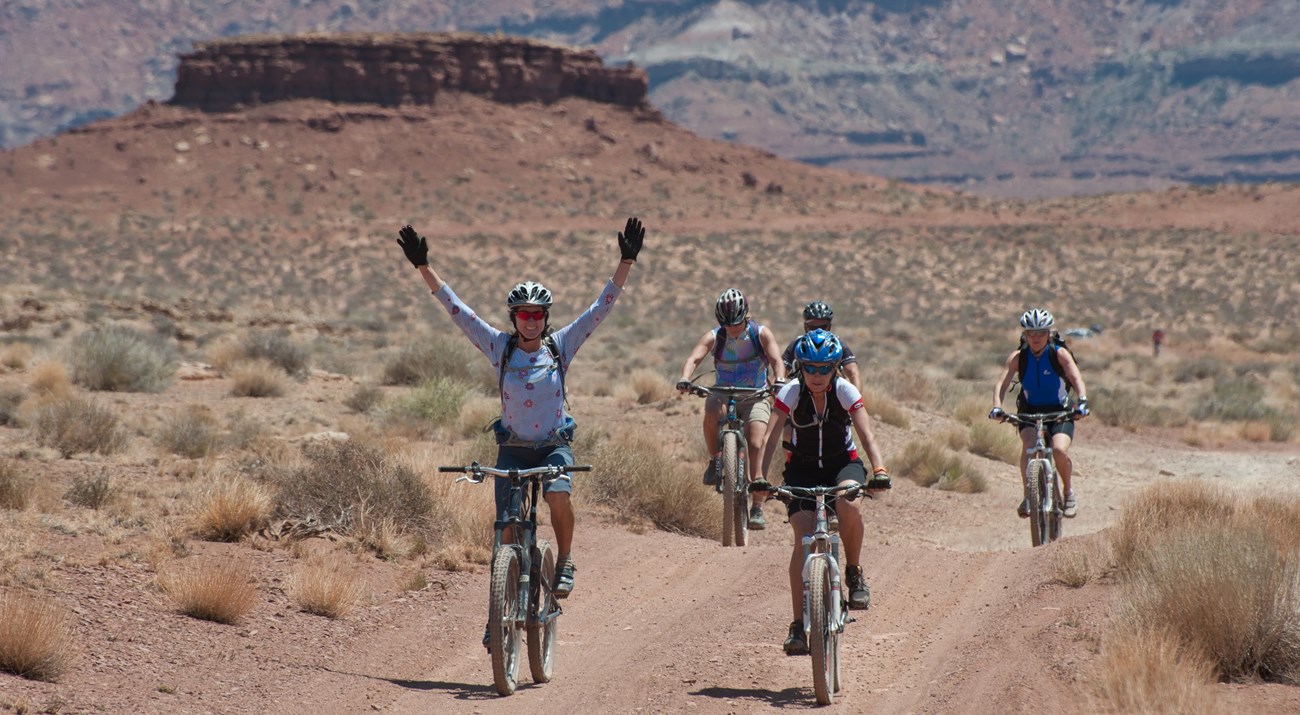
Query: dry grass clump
(1198, 368)
(1154, 671)
(1076, 564)
(995, 441)
(634, 474)
(189, 432)
(930, 464)
(73, 425)
(230, 509)
(477, 414)
(220, 592)
(11, 398)
(36, 641)
(439, 357)
(326, 585)
(364, 398)
(1233, 399)
(435, 403)
(277, 348)
(258, 378)
(121, 359)
(912, 386)
(15, 487)
(15, 356)
(883, 407)
(91, 491)
(1221, 573)
(350, 485)
(1125, 408)
(651, 386)
(49, 380)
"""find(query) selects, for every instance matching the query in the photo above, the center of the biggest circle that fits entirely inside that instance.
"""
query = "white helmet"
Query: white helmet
(1036, 319)
(731, 308)
(529, 293)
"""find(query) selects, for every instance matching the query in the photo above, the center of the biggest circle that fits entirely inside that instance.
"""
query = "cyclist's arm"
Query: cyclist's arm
(431, 278)
(1009, 370)
(701, 351)
(775, 423)
(572, 336)
(490, 341)
(853, 374)
(862, 426)
(772, 352)
(1072, 374)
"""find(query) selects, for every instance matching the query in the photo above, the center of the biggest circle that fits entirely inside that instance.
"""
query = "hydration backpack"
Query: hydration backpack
(1056, 341)
(548, 341)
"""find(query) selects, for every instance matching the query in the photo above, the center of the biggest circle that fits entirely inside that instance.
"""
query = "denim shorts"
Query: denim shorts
(527, 458)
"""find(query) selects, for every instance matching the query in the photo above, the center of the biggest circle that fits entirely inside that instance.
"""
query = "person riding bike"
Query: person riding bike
(534, 428)
(1047, 372)
(745, 354)
(825, 410)
(818, 315)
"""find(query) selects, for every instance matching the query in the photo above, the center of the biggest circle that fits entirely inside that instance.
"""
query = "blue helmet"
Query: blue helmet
(819, 346)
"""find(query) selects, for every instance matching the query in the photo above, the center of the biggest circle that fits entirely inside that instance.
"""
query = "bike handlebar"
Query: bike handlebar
(741, 394)
(1030, 420)
(478, 471)
(808, 492)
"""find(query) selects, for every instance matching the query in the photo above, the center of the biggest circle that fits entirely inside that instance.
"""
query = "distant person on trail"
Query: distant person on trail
(1157, 339)
(826, 411)
(1047, 372)
(534, 428)
(818, 316)
(745, 354)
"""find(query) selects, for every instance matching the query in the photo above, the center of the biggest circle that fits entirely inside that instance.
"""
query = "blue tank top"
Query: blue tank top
(742, 363)
(1041, 386)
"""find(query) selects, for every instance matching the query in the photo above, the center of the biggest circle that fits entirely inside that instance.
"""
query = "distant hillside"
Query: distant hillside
(1004, 97)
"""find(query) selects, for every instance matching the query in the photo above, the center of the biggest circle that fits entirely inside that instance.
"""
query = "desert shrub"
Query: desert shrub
(1237, 398)
(244, 432)
(477, 414)
(36, 640)
(1198, 368)
(15, 487)
(883, 407)
(258, 378)
(277, 348)
(1280, 426)
(230, 509)
(1076, 564)
(911, 385)
(633, 473)
(650, 386)
(220, 592)
(190, 432)
(92, 491)
(435, 403)
(1122, 407)
(439, 356)
(326, 586)
(973, 369)
(349, 485)
(1164, 507)
(11, 396)
(49, 380)
(15, 356)
(364, 398)
(1154, 671)
(930, 464)
(995, 441)
(116, 358)
(73, 425)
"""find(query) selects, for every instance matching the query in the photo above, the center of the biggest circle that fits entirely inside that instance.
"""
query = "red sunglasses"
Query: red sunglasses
(531, 314)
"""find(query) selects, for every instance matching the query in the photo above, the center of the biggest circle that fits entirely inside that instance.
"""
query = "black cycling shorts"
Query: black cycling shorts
(803, 474)
(1066, 428)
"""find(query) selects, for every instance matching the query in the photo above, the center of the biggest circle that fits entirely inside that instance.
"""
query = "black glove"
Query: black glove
(879, 480)
(414, 246)
(683, 385)
(997, 414)
(629, 241)
(1081, 409)
(761, 485)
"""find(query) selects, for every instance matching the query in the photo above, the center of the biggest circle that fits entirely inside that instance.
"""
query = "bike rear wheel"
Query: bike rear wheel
(1033, 492)
(731, 504)
(543, 613)
(503, 622)
(823, 640)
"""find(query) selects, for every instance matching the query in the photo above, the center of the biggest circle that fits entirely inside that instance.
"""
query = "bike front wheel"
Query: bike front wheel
(503, 621)
(733, 506)
(543, 613)
(823, 636)
(1052, 485)
(1038, 534)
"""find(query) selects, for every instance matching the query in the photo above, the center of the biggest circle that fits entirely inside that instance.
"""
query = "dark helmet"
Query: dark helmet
(819, 346)
(817, 310)
(528, 293)
(731, 308)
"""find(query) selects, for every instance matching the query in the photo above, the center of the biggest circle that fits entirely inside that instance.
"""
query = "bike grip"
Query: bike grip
(453, 469)
(579, 468)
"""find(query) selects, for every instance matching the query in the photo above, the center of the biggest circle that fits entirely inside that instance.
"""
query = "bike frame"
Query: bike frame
(822, 544)
(1041, 452)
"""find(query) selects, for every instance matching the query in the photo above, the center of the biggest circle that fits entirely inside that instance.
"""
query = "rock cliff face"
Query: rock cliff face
(391, 70)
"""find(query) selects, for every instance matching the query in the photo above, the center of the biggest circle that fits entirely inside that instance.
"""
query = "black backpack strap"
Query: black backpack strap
(512, 342)
(552, 347)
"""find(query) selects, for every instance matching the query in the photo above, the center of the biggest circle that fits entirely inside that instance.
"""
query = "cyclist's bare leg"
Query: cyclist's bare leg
(1061, 453)
(562, 521)
(1027, 439)
(754, 434)
(851, 530)
(712, 415)
(802, 522)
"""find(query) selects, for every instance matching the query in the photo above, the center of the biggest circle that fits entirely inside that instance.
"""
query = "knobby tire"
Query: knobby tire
(821, 636)
(504, 636)
(730, 478)
(542, 607)
(1052, 481)
(1037, 522)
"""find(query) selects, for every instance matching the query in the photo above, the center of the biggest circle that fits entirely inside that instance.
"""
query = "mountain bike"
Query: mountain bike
(824, 610)
(734, 480)
(1042, 482)
(521, 595)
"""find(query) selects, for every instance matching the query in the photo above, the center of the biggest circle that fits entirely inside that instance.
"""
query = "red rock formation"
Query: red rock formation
(397, 69)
